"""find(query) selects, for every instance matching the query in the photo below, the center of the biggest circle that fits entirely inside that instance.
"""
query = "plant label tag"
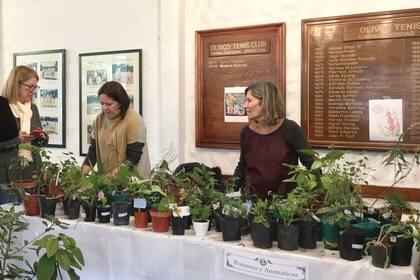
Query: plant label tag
(316, 218)
(83, 215)
(234, 194)
(140, 203)
(371, 210)
(386, 215)
(347, 212)
(104, 214)
(393, 238)
(357, 246)
(358, 214)
(120, 215)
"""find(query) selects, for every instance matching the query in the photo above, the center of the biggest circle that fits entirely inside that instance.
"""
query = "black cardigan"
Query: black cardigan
(8, 126)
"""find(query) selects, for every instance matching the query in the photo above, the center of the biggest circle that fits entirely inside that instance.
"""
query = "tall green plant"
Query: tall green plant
(61, 252)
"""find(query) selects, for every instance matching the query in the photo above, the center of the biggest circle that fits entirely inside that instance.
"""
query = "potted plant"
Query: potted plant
(170, 182)
(233, 210)
(380, 248)
(395, 205)
(260, 225)
(286, 211)
(178, 220)
(200, 215)
(71, 184)
(162, 213)
(103, 208)
(402, 240)
(141, 192)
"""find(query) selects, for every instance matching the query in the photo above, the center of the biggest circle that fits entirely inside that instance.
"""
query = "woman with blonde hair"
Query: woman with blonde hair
(19, 89)
(268, 142)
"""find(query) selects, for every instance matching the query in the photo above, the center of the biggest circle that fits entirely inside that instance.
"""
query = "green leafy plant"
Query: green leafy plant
(200, 212)
(165, 204)
(61, 252)
(259, 211)
(287, 210)
(234, 208)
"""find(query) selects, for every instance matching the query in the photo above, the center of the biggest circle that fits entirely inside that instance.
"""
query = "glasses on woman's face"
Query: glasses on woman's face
(32, 88)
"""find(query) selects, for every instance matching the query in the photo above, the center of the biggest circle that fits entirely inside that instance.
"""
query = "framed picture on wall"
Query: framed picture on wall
(97, 68)
(227, 61)
(51, 97)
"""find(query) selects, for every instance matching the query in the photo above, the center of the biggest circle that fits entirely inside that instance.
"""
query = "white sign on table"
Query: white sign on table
(265, 267)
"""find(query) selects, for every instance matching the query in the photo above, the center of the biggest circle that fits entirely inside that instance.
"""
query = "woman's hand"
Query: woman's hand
(85, 169)
(25, 137)
(116, 172)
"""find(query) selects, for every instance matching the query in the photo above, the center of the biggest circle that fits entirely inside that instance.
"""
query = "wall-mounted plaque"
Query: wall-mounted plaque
(227, 61)
(361, 79)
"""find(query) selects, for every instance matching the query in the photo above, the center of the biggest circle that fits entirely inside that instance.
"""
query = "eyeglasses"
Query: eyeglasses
(33, 89)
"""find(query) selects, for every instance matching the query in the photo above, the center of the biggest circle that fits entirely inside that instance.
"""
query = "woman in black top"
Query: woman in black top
(268, 142)
(8, 150)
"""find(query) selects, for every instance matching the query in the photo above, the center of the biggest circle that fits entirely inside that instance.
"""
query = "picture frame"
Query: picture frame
(227, 61)
(51, 98)
(96, 68)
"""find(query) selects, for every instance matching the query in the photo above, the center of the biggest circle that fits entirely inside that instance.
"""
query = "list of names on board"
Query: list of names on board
(361, 80)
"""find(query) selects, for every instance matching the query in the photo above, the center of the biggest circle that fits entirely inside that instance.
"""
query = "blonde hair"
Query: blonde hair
(272, 105)
(18, 75)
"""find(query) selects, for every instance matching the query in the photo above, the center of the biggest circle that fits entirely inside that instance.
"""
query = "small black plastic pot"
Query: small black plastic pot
(231, 229)
(402, 250)
(178, 225)
(351, 244)
(104, 214)
(261, 236)
(90, 212)
(48, 206)
(381, 255)
(288, 236)
(308, 235)
(218, 220)
(73, 208)
(121, 212)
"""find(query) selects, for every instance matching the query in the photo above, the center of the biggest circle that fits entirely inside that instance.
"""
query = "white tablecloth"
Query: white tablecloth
(124, 252)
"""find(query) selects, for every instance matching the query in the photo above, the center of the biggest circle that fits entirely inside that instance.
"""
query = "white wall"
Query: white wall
(164, 30)
(102, 25)
(210, 14)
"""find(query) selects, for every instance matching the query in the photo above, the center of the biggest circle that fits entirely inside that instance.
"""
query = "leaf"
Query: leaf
(51, 247)
(45, 268)
(63, 260)
(78, 255)
(73, 275)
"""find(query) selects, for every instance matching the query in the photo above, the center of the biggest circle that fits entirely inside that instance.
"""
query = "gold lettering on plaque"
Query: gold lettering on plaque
(239, 48)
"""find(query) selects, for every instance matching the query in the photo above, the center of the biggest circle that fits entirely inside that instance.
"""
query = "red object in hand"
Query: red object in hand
(36, 133)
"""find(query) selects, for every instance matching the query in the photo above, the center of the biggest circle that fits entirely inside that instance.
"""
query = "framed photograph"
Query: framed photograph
(227, 61)
(96, 69)
(51, 98)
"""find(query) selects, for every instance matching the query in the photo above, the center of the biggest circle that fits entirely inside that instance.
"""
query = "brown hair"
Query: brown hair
(272, 105)
(18, 75)
(116, 92)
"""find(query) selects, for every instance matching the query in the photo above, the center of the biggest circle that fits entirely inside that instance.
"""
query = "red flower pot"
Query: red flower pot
(141, 219)
(160, 220)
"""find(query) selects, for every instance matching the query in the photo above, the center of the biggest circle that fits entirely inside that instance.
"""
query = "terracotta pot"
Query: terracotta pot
(25, 184)
(160, 220)
(141, 218)
(31, 203)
